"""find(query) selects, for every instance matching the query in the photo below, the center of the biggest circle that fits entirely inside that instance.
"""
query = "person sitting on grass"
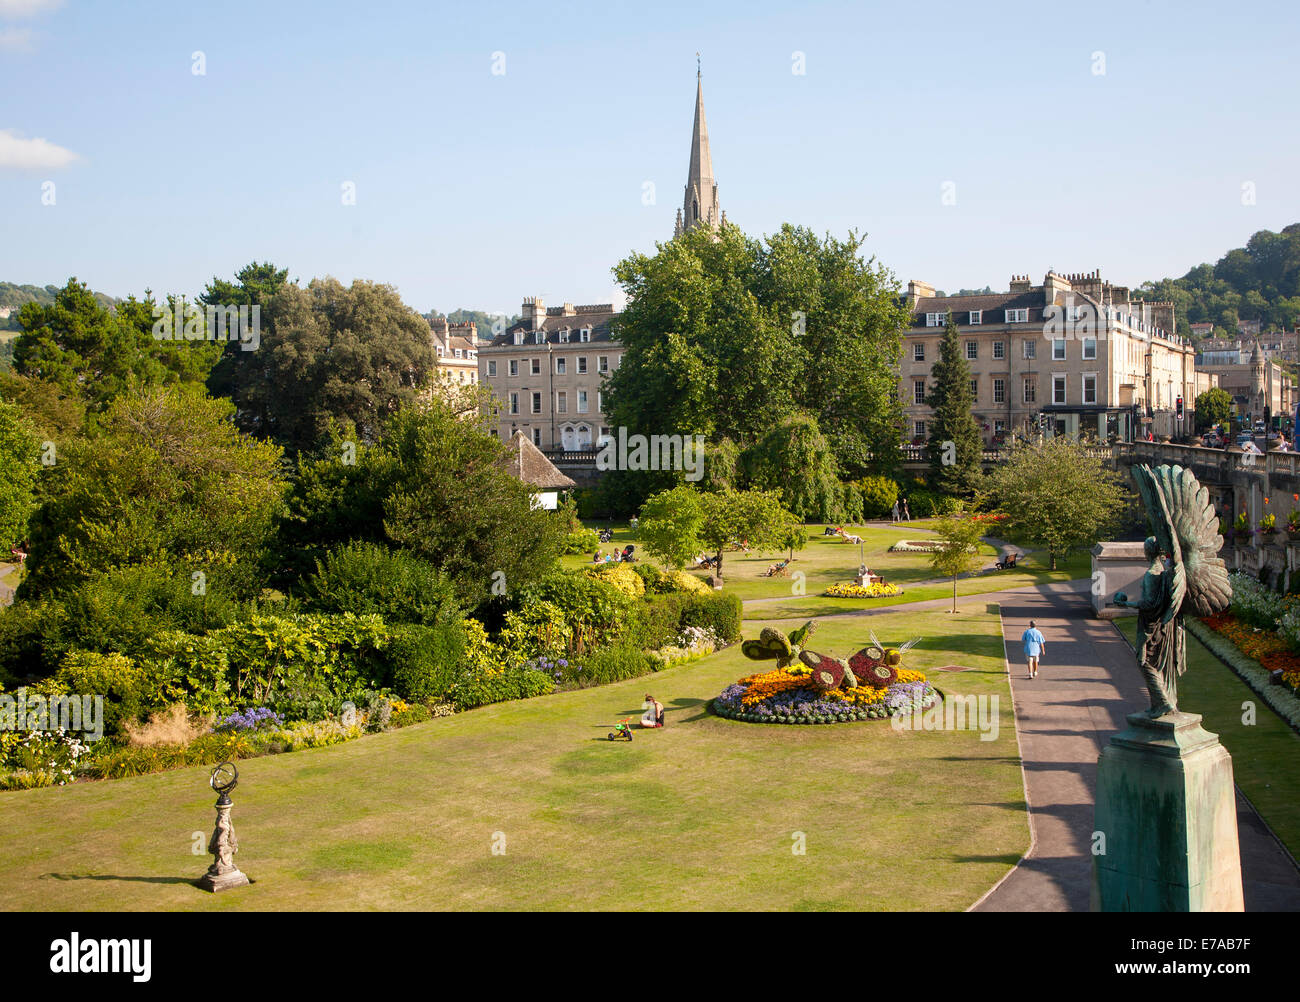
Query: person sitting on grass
(654, 712)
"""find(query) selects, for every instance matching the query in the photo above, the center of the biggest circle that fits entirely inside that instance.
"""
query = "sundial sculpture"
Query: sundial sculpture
(223, 874)
(1164, 835)
(1196, 579)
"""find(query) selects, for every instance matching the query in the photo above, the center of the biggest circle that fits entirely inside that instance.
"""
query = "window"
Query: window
(918, 391)
(539, 337)
(1089, 387)
(519, 337)
(918, 429)
(999, 427)
(514, 403)
(1058, 349)
(492, 367)
(918, 352)
(537, 403)
(514, 367)
(564, 336)
(1058, 389)
(582, 365)
(936, 319)
(537, 437)
(602, 364)
(582, 401)
(561, 402)
(1090, 347)
(976, 316)
(1031, 349)
(584, 334)
(457, 352)
(1031, 391)
(974, 389)
(999, 391)
(972, 350)
(999, 349)
(537, 366)
(1017, 316)
(561, 366)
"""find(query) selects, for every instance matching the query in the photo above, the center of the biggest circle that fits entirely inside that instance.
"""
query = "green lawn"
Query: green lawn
(827, 560)
(1264, 753)
(701, 815)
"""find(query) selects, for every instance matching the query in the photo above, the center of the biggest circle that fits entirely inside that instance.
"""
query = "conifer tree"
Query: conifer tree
(954, 443)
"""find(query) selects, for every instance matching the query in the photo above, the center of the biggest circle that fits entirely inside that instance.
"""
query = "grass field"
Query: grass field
(1264, 753)
(700, 815)
(827, 560)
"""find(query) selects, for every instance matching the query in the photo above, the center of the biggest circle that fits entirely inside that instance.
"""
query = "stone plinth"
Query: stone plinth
(1121, 566)
(1166, 806)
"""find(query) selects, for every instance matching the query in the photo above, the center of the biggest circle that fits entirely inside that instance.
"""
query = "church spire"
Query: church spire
(700, 202)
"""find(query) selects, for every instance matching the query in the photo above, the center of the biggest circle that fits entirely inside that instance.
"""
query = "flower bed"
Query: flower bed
(1280, 698)
(872, 685)
(877, 589)
(915, 546)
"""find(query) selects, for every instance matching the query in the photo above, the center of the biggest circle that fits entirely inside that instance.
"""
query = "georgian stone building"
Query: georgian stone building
(1075, 355)
(548, 372)
(457, 348)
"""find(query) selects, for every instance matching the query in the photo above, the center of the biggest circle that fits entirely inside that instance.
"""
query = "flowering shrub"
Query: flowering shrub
(914, 546)
(877, 589)
(41, 758)
(1272, 649)
(252, 719)
(1255, 604)
(621, 576)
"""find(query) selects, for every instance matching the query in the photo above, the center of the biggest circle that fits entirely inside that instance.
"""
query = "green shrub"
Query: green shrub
(366, 578)
(614, 664)
(127, 691)
(722, 614)
(851, 503)
(425, 659)
(656, 621)
(653, 577)
(878, 497)
(924, 503)
(591, 609)
(581, 541)
(416, 713)
(479, 688)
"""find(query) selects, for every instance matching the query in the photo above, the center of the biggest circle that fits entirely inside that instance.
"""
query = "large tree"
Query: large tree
(726, 336)
(795, 460)
(1212, 407)
(679, 523)
(164, 479)
(954, 442)
(327, 352)
(1057, 496)
(19, 461)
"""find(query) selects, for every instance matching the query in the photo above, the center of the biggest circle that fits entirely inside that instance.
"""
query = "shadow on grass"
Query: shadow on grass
(108, 876)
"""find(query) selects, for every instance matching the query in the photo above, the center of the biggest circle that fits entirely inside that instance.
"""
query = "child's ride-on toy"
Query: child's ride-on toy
(622, 731)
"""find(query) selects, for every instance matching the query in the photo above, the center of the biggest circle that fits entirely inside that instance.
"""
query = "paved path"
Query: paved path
(1086, 686)
(6, 593)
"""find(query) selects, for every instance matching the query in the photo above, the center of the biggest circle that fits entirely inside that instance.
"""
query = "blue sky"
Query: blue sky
(475, 189)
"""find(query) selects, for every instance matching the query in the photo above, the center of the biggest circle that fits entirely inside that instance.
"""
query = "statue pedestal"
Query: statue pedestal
(222, 882)
(1167, 808)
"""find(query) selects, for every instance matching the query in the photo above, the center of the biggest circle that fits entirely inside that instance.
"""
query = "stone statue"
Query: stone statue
(1192, 578)
(223, 874)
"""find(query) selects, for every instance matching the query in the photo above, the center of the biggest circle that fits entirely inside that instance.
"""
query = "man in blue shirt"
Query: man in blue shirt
(1035, 644)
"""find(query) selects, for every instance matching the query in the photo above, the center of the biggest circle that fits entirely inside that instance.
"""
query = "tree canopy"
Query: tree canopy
(954, 442)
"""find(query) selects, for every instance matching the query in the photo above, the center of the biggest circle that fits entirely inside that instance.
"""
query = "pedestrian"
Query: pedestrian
(907, 515)
(1035, 644)
(895, 509)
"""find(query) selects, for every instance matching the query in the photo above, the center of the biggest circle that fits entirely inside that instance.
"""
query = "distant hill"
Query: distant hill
(1260, 281)
(483, 320)
(14, 297)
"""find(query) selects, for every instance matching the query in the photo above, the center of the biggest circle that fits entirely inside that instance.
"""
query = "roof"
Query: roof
(960, 306)
(525, 462)
(596, 317)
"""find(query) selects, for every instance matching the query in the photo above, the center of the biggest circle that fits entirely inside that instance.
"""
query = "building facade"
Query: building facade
(1261, 389)
(1074, 356)
(457, 348)
(548, 373)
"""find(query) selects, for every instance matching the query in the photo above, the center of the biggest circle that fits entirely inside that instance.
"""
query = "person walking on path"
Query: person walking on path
(907, 515)
(1035, 644)
(895, 509)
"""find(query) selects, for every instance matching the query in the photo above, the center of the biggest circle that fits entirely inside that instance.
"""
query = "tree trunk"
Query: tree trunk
(1053, 560)
(717, 565)
(954, 593)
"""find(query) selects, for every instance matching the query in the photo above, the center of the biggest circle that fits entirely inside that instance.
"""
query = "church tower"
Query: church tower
(700, 202)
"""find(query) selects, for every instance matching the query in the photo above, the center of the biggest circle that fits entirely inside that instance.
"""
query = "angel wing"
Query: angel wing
(1195, 529)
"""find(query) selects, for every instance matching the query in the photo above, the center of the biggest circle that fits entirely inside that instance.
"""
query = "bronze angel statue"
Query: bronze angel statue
(1194, 578)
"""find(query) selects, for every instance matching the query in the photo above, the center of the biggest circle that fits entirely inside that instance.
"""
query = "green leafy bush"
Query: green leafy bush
(722, 614)
(363, 578)
(581, 541)
(479, 688)
(127, 690)
(614, 664)
(425, 659)
(878, 497)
